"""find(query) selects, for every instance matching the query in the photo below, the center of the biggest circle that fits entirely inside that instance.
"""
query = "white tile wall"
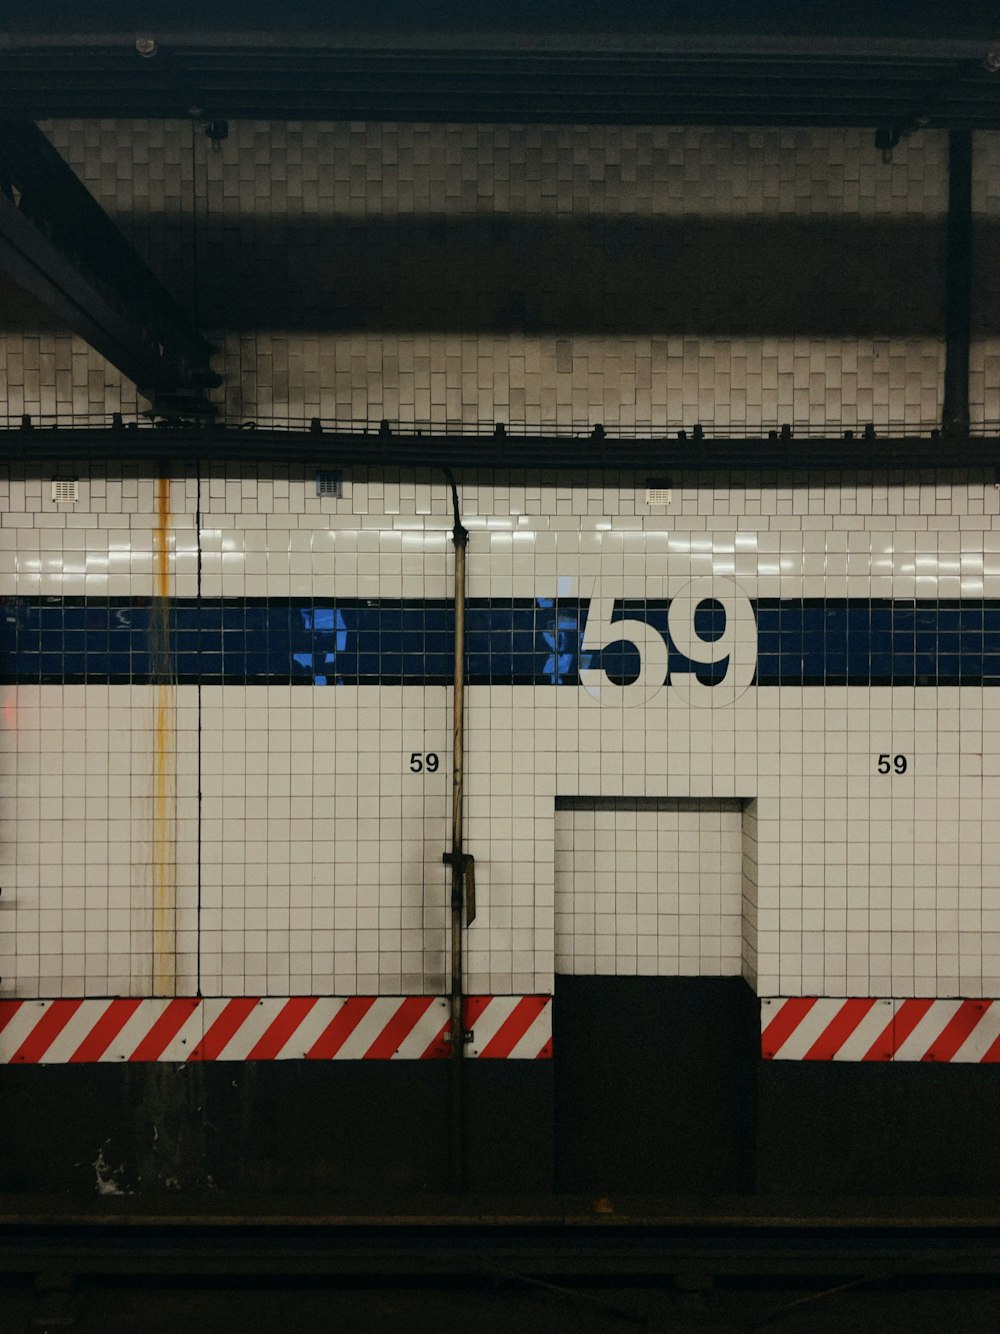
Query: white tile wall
(55, 374)
(648, 892)
(320, 852)
(322, 864)
(78, 859)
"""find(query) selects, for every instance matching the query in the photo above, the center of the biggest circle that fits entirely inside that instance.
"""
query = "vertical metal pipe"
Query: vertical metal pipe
(958, 285)
(457, 860)
(163, 811)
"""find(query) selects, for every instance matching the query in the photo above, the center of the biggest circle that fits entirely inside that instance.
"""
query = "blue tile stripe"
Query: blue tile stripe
(523, 641)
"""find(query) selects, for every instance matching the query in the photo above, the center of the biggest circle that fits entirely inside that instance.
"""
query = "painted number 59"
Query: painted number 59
(733, 649)
(891, 763)
(419, 762)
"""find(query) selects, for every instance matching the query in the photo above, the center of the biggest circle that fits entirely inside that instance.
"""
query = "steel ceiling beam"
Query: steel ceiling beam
(58, 244)
(856, 41)
(597, 77)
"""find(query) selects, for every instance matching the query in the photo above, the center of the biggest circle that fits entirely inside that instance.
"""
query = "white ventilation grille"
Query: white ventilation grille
(330, 484)
(65, 490)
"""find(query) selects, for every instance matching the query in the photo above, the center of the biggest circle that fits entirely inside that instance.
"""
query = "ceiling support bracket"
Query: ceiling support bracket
(958, 286)
(58, 244)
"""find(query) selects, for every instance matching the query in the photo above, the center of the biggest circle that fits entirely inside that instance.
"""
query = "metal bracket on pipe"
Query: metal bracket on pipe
(467, 867)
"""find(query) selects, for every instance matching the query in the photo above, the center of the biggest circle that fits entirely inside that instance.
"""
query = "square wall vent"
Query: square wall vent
(65, 490)
(330, 484)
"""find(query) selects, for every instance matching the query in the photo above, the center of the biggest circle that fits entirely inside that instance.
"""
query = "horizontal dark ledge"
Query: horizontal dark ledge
(660, 459)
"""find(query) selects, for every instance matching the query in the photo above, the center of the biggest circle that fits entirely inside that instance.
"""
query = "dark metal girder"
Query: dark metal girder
(623, 84)
(573, 107)
(566, 456)
(584, 78)
(58, 244)
(81, 65)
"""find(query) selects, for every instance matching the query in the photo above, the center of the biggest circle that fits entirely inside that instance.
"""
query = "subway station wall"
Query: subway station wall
(751, 731)
(641, 277)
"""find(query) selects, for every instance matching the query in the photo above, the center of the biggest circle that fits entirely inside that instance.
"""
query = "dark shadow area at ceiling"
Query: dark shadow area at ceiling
(703, 277)
(508, 274)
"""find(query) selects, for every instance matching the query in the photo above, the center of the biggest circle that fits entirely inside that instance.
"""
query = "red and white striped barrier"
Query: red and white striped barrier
(810, 1028)
(270, 1028)
(509, 1027)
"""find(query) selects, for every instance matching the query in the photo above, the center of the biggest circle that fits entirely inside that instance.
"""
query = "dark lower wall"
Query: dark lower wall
(840, 1127)
(660, 1090)
(656, 1088)
(304, 1128)
(654, 1084)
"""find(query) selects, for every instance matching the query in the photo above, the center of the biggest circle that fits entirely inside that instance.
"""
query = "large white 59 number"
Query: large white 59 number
(737, 642)
(600, 632)
(736, 645)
